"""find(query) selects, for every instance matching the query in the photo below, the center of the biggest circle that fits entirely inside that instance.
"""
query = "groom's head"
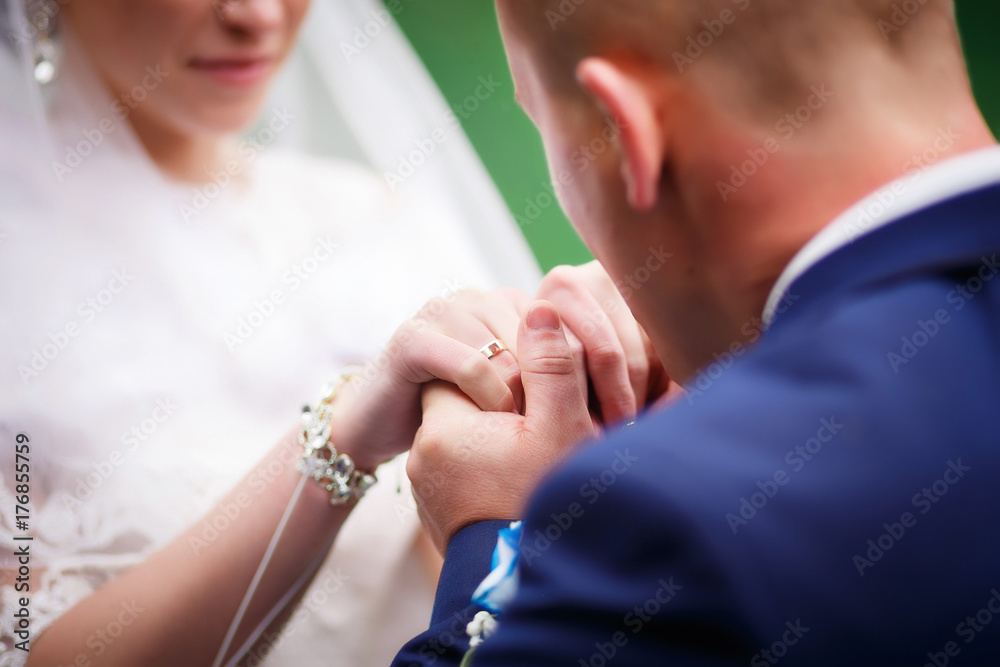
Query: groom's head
(729, 132)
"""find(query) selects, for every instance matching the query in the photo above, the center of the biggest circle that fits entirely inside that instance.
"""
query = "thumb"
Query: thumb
(555, 405)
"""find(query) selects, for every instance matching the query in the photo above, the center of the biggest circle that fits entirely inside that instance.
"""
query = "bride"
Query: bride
(174, 287)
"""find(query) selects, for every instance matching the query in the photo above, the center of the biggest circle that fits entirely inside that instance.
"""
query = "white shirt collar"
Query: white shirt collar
(918, 189)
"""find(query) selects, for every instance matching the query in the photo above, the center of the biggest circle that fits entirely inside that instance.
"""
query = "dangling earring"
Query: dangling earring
(42, 16)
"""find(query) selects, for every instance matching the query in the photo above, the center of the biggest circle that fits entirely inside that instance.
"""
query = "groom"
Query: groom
(826, 491)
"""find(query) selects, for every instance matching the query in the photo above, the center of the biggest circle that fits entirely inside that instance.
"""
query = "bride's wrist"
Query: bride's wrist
(334, 463)
(344, 434)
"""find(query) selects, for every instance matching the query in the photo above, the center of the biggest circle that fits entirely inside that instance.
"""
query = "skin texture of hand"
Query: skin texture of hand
(376, 414)
(468, 465)
(612, 351)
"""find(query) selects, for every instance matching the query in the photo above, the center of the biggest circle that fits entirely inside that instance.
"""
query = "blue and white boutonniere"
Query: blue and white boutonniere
(497, 589)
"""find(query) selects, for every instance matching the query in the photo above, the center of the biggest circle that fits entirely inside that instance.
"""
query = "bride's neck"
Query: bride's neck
(182, 157)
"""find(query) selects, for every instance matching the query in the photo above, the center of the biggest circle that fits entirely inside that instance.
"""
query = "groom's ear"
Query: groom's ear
(635, 104)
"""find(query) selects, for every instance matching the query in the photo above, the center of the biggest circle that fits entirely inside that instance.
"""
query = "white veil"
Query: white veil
(375, 104)
(388, 103)
(374, 107)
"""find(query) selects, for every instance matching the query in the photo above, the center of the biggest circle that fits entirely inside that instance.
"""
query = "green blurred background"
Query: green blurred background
(458, 41)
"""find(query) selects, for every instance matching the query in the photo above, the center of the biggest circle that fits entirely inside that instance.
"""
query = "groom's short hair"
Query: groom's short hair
(774, 48)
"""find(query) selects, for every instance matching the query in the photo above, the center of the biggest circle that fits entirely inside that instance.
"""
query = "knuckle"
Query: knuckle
(413, 462)
(427, 449)
(559, 278)
(511, 294)
(596, 271)
(605, 356)
(472, 368)
(563, 272)
(551, 364)
(433, 308)
(409, 329)
(469, 294)
(421, 445)
(599, 317)
(638, 366)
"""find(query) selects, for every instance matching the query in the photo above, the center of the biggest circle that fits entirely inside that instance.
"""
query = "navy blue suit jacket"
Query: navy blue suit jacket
(830, 496)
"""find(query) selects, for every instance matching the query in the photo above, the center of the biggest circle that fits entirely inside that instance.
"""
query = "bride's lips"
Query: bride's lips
(234, 71)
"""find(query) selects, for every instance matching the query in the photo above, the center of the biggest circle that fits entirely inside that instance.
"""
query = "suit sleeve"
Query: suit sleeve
(609, 573)
(466, 564)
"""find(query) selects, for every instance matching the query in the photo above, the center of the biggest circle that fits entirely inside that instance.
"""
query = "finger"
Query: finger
(520, 302)
(433, 356)
(478, 319)
(580, 359)
(555, 408)
(518, 299)
(439, 398)
(659, 379)
(506, 367)
(637, 361)
(498, 311)
(605, 352)
(633, 339)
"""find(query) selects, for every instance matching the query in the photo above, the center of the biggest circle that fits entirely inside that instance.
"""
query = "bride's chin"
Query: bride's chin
(202, 109)
(223, 120)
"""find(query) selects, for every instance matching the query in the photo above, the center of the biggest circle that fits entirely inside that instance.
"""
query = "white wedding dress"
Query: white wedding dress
(153, 356)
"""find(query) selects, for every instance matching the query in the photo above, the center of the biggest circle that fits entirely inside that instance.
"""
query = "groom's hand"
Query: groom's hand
(613, 352)
(468, 465)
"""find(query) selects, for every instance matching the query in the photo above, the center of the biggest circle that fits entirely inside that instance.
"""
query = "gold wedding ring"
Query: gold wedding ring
(493, 348)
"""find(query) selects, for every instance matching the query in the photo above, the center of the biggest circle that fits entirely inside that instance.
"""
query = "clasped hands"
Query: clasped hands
(485, 432)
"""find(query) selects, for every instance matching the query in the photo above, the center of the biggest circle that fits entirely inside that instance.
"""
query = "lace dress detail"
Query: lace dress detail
(160, 412)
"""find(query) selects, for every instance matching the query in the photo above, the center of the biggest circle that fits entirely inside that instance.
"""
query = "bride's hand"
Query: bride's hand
(377, 413)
